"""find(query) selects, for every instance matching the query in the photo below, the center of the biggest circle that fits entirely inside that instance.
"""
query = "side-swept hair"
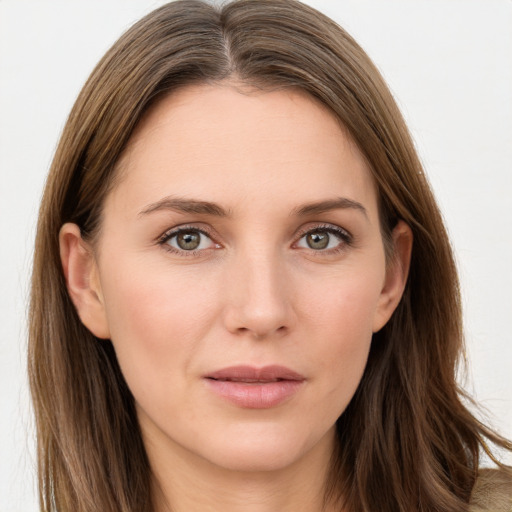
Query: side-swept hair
(406, 441)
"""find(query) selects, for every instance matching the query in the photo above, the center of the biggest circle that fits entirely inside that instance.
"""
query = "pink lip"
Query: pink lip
(255, 388)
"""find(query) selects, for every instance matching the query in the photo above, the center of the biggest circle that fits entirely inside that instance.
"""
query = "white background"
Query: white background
(449, 64)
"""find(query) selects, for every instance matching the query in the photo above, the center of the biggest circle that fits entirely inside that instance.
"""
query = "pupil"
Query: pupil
(188, 240)
(318, 240)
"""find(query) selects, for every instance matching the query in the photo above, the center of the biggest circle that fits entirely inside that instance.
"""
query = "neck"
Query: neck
(185, 482)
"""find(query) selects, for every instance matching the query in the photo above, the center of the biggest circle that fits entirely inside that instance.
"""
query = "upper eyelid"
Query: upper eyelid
(324, 226)
(169, 233)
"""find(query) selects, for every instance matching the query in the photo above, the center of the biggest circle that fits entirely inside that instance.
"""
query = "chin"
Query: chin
(255, 459)
(265, 451)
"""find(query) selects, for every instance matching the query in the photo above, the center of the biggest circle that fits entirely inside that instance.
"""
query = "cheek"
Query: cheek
(341, 320)
(142, 298)
(157, 319)
(344, 304)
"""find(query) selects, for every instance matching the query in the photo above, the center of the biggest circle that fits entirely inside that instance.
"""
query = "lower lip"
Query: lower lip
(255, 395)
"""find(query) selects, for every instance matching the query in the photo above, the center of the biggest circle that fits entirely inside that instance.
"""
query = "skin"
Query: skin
(254, 293)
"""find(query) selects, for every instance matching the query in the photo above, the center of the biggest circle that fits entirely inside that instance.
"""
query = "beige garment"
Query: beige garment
(492, 491)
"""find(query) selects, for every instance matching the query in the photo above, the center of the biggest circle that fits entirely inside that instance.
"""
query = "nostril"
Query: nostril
(258, 315)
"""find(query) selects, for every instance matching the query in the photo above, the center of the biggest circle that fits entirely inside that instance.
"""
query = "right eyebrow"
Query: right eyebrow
(184, 205)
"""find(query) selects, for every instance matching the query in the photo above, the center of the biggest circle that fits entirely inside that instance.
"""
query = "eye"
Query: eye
(187, 240)
(325, 238)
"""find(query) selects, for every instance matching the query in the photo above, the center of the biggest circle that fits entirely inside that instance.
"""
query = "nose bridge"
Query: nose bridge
(258, 298)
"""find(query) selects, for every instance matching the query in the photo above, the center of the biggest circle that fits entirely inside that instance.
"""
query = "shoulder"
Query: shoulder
(492, 491)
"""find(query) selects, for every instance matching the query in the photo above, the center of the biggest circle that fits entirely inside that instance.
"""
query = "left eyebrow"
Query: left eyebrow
(328, 205)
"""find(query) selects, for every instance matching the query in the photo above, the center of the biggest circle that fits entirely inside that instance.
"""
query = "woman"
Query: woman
(243, 294)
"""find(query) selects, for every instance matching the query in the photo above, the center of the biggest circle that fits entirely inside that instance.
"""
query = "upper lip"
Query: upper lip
(272, 373)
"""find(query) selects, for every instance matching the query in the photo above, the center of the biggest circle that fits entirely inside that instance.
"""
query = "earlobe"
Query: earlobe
(396, 274)
(82, 280)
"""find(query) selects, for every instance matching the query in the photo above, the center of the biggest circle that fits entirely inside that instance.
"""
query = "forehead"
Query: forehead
(226, 144)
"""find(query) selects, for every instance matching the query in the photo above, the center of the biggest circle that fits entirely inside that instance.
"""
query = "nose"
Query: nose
(258, 297)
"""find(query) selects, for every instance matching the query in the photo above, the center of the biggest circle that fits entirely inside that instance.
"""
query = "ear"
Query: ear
(397, 271)
(82, 280)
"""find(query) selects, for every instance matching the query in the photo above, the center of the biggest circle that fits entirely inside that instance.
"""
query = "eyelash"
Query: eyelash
(346, 239)
(175, 232)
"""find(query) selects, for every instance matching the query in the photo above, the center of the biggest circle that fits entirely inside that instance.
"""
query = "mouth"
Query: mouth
(252, 374)
(247, 381)
(255, 388)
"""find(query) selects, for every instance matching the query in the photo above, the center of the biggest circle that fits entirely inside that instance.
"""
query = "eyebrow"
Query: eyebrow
(328, 205)
(184, 205)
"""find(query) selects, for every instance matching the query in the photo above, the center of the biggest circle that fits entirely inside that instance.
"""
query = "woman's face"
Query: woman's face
(240, 273)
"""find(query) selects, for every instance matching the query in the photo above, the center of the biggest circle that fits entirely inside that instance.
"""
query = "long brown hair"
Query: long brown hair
(406, 441)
